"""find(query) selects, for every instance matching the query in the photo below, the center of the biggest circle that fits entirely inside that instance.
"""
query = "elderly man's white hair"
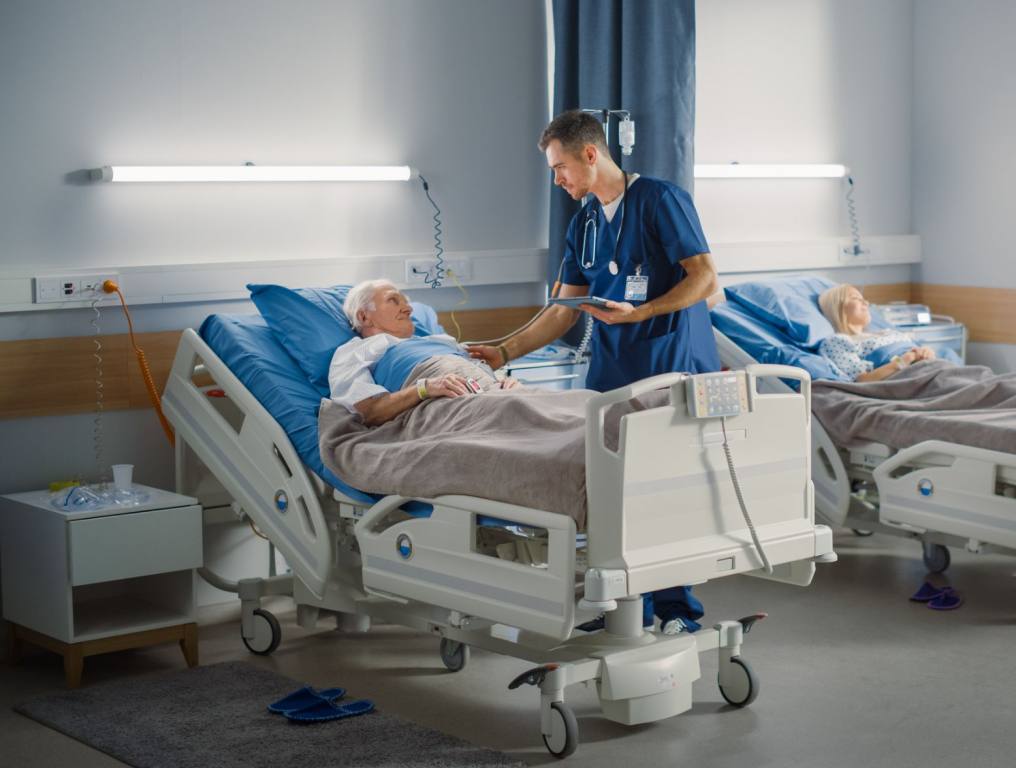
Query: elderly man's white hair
(361, 296)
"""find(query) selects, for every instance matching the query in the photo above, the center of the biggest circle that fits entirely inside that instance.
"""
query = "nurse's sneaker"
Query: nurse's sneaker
(674, 627)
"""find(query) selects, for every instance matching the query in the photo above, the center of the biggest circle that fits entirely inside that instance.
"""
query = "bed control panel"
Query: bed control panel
(714, 395)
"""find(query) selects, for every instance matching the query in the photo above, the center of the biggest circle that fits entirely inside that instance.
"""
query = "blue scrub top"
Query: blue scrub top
(660, 229)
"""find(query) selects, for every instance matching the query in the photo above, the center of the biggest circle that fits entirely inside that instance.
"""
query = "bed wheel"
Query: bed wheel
(936, 557)
(267, 633)
(564, 736)
(862, 532)
(454, 655)
(741, 687)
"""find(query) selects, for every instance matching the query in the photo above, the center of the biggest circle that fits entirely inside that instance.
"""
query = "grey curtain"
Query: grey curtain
(637, 55)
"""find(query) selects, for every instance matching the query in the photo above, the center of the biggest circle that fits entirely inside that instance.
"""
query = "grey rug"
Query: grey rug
(217, 716)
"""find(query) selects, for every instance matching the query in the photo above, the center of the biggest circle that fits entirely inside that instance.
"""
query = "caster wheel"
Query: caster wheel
(564, 735)
(454, 655)
(267, 633)
(936, 557)
(862, 533)
(741, 687)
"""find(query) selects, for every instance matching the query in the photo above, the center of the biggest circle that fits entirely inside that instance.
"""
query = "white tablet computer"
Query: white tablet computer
(574, 301)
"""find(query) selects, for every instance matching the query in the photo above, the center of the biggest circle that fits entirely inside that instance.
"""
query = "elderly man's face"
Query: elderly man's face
(391, 314)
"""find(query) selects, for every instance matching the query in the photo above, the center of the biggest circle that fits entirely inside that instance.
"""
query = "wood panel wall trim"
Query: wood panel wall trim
(988, 313)
(48, 377)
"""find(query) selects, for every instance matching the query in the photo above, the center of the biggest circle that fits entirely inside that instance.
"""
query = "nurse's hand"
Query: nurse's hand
(616, 312)
(490, 355)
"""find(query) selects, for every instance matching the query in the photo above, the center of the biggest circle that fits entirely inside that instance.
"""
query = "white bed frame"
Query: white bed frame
(942, 494)
(662, 511)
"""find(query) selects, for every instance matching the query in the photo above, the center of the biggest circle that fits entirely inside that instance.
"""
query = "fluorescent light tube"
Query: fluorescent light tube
(754, 171)
(173, 173)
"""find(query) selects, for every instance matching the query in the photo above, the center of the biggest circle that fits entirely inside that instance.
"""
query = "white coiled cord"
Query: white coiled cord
(740, 498)
(97, 436)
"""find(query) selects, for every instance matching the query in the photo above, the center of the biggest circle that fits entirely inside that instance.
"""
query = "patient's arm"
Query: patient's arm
(378, 410)
(897, 364)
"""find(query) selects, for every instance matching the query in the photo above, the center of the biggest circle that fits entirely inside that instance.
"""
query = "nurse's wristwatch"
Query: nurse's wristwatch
(504, 354)
(421, 389)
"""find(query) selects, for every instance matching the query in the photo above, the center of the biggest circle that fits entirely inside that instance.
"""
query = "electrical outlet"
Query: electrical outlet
(423, 271)
(53, 290)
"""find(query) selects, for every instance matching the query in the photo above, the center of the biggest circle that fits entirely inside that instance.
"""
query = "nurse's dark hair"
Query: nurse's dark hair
(574, 129)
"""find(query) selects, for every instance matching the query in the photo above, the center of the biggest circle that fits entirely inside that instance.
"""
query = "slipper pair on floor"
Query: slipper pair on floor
(937, 598)
(309, 706)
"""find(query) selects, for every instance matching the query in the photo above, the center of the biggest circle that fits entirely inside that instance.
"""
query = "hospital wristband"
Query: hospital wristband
(421, 388)
(900, 362)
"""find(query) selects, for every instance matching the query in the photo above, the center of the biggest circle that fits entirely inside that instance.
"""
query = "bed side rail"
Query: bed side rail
(434, 560)
(257, 464)
(965, 497)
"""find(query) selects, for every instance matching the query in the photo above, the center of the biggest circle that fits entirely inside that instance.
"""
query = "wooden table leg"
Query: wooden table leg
(189, 644)
(74, 662)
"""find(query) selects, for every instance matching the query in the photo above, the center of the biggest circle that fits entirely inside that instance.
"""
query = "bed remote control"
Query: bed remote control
(713, 395)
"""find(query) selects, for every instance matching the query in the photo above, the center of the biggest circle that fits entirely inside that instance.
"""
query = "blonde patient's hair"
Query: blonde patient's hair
(831, 301)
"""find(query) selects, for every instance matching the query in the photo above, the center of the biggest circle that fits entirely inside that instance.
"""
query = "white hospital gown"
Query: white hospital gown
(848, 353)
(349, 376)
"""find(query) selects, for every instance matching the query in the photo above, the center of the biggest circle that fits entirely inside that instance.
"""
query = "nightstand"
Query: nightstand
(90, 581)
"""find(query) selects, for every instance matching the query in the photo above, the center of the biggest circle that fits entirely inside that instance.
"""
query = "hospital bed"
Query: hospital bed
(662, 511)
(940, 493)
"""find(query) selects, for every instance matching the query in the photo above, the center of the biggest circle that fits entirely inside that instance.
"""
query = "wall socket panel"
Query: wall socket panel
(422, 271)
(56, 290)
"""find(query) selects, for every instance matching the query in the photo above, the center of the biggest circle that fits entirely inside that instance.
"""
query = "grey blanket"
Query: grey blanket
(522, 446)
(933, 400)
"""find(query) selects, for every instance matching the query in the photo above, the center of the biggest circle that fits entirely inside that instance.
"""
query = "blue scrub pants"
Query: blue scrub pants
(672, 603)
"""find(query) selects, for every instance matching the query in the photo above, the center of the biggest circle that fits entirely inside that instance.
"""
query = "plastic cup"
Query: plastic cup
(122, 474)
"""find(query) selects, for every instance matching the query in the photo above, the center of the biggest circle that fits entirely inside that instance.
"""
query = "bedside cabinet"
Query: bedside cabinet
(86, 581)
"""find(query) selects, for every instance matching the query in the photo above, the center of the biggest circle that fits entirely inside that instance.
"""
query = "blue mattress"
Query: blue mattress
(251, 351)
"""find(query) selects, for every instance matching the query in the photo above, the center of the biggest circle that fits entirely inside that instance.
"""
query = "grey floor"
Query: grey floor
(852, 675)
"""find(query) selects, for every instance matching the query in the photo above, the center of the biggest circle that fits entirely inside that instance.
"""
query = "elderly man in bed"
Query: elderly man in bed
(388, 370)
(860, 354)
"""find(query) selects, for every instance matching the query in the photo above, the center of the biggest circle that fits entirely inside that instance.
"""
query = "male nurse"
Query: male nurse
(638, 243)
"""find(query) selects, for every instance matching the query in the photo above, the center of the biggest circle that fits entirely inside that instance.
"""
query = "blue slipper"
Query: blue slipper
(303, 698)
(946, 601)
(927, 592)
(326, 710)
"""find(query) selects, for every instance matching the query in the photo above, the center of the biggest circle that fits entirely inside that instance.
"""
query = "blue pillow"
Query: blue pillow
(310, 324)
(789, 304)
(768, 344)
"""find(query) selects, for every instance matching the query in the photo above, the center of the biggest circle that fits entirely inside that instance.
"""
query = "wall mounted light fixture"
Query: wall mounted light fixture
(221, 173)
(771, 171)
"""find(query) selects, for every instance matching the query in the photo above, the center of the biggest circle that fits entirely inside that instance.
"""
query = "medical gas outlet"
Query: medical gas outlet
(52, 290)
(420, 271)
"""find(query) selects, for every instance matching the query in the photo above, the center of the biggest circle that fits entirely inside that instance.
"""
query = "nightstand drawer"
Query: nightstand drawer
(134, 544)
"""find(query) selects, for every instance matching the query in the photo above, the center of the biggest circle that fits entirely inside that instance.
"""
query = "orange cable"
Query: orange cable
(146, 373)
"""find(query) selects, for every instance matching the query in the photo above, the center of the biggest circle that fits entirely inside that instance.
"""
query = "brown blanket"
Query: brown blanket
(523, 446)
(932, 400)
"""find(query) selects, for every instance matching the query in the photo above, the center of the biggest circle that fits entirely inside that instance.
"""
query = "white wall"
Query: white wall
(804, 81)
(964, 118)
(456, 88)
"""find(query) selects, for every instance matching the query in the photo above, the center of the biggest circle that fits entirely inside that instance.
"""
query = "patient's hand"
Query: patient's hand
(451, 385)
(510, 383)
(922, 353)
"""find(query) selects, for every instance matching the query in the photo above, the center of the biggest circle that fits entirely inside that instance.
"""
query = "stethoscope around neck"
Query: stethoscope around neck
(591, 220)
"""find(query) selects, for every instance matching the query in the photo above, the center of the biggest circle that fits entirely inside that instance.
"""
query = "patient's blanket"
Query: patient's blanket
(932, 400)
(523, 446)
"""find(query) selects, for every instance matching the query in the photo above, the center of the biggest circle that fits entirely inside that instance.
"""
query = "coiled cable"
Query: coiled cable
(740, 498)
(97, 435)
(439, 268)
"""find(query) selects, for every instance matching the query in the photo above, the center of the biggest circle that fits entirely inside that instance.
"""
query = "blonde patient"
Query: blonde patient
(858, 352)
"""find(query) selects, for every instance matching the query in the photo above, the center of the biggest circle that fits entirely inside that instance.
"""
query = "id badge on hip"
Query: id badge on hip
(636, 288)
